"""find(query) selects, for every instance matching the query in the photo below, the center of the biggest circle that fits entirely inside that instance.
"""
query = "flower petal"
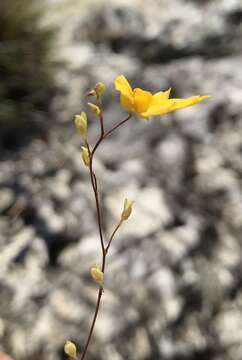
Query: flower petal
(122, 85)
(172, 105)
(160, 104)
(127, 103)
(142, 100)
(159, 109)
(126, 97)
(161, 96)
(181, 103)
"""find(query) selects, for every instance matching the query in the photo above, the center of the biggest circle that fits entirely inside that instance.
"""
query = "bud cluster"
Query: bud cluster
(87, 154)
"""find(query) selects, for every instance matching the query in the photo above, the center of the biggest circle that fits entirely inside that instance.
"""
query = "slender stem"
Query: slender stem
(101, 124)
(100, 292)
(93, 323)
(95, 190)
(103, 135)
(117, 126)
(95, 180)
(112, 236)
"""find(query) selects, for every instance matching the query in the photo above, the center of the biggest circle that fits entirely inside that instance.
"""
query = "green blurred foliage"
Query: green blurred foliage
(26, 69)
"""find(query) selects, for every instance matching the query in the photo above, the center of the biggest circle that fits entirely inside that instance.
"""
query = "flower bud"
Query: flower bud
(91, 93)
(85, 156)
(70, 349)
(81, 124)
(94, 108)
(99, 88)
(127, 209)
(97, 275)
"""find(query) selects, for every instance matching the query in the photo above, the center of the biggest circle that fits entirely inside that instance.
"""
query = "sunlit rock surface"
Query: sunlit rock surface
(173, 283)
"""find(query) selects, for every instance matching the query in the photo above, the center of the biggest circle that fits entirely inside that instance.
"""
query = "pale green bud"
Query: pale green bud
(99, 88)
(85, 156)
(70, 349)
(94, 108)
(127, 209)
(81, 124)
(97, 275)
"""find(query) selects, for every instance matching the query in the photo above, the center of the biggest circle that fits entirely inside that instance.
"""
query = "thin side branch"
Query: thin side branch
(93, 178)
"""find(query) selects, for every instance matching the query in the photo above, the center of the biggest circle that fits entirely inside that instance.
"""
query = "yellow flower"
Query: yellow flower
(144, 104)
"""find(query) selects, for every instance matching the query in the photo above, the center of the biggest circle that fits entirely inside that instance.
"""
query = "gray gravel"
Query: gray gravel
(173, 288)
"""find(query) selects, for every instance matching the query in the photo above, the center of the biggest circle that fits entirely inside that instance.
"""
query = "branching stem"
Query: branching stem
(103, 135)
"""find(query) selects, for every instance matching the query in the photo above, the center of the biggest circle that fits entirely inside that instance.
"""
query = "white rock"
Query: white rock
(229, 327)
(66, 306)
(7, 198)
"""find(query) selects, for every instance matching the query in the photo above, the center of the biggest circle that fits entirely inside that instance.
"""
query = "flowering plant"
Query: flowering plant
(137, 102)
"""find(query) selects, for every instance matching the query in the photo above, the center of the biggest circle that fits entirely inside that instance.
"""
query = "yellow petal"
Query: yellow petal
(142, 100)
(126, 98)
(160, 96)
(122, 85)
(172, 105)
(159, 109)
(127, 103)
(181, 103)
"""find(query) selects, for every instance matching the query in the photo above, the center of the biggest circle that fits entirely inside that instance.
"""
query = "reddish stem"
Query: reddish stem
(103, 135)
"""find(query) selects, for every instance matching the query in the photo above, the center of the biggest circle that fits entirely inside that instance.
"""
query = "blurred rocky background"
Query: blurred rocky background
(174, 275)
